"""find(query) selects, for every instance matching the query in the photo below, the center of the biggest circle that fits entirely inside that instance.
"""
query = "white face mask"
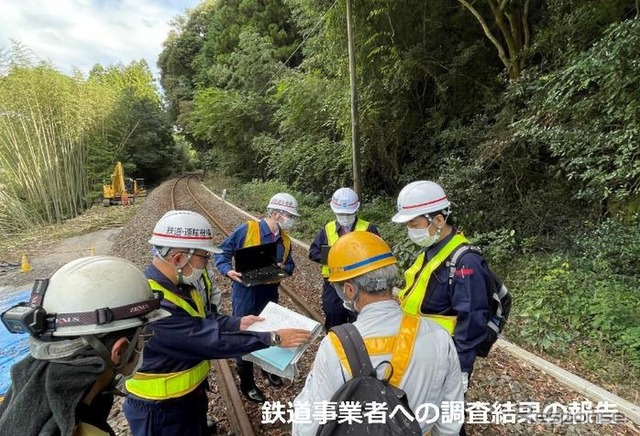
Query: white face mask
(121, 379)
(287, 223)
(346, 220)
(192, 278)
(346, 303)
(422, 238)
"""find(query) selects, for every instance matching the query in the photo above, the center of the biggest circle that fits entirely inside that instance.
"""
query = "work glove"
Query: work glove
(465, 382)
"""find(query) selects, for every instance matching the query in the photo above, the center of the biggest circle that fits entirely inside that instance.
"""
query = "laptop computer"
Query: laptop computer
(258, 264)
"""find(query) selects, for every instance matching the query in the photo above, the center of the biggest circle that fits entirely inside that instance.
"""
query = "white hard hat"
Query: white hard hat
(285, 202)
(420, 198)
(183, 229)
(99, 294)
(345, 201)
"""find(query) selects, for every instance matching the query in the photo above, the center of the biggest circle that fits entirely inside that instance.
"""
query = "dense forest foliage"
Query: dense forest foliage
(527, 112)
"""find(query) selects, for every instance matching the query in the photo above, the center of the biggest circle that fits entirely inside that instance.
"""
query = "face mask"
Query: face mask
(346, 220)
(422, 238)
(346, 303)
(121, 379)
(192, 278)
(287, 223)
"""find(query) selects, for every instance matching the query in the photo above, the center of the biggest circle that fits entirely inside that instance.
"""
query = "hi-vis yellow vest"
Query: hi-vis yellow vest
(400, 347)
(331, 229)
(207, 284)
(174, 384)
(417, 279)
(253, 238)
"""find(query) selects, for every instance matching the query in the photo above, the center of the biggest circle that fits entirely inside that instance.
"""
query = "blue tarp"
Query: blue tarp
(13, 347)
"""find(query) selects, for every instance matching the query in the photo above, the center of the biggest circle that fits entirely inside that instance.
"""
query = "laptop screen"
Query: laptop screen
(258, 256)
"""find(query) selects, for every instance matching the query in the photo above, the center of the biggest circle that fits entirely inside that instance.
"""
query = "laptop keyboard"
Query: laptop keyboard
(268, 272)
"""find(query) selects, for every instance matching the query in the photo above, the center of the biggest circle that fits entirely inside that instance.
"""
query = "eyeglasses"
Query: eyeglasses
(286, 214)
(206, 257)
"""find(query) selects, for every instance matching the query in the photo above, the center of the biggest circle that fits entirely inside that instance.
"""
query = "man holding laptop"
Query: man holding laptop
(257, 248)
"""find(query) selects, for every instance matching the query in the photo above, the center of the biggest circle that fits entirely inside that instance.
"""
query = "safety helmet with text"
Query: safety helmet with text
(345, 201)
(284, 202)
(98, 294)
(420, 198)
(357, 253)
(183, 229)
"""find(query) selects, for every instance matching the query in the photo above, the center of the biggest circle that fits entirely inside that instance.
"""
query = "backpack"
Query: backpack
(497, 295)
(365, 387)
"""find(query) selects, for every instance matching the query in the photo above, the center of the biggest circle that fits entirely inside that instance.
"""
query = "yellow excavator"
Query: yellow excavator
(122, 190)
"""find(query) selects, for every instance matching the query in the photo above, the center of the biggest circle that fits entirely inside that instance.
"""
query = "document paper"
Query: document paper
(278, 360)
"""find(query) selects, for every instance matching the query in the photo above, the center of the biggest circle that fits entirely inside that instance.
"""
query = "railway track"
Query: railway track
(237, 415)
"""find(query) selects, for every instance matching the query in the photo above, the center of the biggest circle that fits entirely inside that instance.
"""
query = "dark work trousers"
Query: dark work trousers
(335, 313)
(182, 416)
(250, 301)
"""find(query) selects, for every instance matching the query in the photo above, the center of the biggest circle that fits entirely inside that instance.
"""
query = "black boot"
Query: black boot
(274, 379)
(247, 383)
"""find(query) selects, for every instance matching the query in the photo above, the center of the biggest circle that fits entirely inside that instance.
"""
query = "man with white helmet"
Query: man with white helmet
(345, 204)
(282, 212)
(459, 304)
(209, 292)
(168, 395)
(413, 353)
(87, 329)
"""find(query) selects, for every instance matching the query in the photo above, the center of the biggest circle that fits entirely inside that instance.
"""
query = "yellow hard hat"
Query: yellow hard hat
(357, 253)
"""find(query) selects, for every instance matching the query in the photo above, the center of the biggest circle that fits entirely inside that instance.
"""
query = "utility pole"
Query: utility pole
(355, 128)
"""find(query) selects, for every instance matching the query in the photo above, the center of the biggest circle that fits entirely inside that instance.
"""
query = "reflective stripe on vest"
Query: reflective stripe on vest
(331, 229)
(179, 301)
(165, 386)
(414, 292)
(174, 384)
(207, 284)
(400, 347)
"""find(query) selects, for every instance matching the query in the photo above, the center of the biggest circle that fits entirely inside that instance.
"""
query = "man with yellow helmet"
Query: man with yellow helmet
(425, 364)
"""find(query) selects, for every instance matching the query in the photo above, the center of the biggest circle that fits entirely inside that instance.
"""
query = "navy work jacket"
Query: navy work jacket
(321, 239)
(182, 341)
(466, 298)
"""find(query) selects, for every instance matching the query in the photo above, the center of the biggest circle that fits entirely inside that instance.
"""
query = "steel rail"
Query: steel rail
(238, 417)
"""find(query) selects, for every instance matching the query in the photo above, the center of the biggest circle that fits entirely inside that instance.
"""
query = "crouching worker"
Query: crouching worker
(423, 357)
(168, 396)
(86, 324)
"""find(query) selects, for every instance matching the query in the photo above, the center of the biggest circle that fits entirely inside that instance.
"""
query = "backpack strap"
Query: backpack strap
(355, 350)
(455, 256)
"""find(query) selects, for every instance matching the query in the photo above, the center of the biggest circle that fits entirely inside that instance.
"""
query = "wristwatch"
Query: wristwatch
(275, 339)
